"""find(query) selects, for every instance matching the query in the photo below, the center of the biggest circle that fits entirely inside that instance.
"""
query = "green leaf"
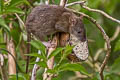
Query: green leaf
(51, 71)
(55, 52)
(73, 67)
(1, 6)
(15, 35)
(35, 55)
(26, 2)
(40, 63)
(3, 24)
(38, 45)
(3, 51)
(13, 10)
(15, 3)
(67, 51)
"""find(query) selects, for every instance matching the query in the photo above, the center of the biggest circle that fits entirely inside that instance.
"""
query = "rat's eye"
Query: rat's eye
(79, 32)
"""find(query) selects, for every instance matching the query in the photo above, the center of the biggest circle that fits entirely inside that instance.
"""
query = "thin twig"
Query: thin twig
(103, 13)
(115, 35)
(20, 19)
(106, 38)
(73, 3)
(98, 53)
(93, 10)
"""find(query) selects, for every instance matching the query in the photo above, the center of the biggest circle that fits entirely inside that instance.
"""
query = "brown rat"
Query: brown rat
(45, 20)
(49, 19)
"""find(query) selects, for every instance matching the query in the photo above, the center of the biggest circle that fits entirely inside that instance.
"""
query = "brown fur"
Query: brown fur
(49, 19)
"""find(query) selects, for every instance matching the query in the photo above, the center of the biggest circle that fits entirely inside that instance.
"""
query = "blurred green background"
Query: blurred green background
(97, 49)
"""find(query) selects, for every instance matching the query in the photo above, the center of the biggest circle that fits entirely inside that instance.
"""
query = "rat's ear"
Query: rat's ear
(72, 20)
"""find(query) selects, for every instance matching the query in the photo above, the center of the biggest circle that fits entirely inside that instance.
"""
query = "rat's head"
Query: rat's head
(78, 38)
(77, 28)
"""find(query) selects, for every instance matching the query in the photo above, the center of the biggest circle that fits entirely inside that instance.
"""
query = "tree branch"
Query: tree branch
(93, 10)
(103, 13)
(73, 3)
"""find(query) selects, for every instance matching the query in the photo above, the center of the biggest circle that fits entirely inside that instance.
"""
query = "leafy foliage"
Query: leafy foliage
(62, 67)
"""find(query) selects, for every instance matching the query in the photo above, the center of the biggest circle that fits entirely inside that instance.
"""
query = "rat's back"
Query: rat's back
(41, 21)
